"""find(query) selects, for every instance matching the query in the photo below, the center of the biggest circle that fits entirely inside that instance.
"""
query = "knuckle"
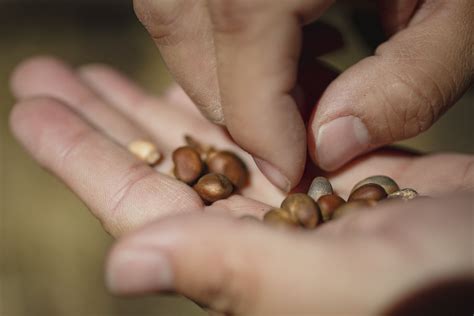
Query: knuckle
(161, 18)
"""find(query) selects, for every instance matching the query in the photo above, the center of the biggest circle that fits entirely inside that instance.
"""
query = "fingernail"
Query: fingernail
(274, 175)
(138, 271)
(341, 140)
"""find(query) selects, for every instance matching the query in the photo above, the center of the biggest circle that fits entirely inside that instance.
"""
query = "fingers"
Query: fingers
(401, 91)
(244, 268)
(182, 31)
(46, 76)
(120, 190)
(258, 47)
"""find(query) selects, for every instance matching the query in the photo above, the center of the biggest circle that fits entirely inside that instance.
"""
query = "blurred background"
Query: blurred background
(51, 249)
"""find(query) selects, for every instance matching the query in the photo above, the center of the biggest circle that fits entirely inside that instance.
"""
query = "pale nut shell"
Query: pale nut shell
(146, 151)
(385, 182)
(320, 187)
(406, 194)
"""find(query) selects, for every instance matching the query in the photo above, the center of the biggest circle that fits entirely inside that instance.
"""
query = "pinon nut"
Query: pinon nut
(385, 182)
(230, 165)
(213, 187)
(280, 218)
(303, 209)
(370, 191)
(328, 204)
(351, 207)
(145, 151)
(188, 165)
(320, 187)
(406, 194)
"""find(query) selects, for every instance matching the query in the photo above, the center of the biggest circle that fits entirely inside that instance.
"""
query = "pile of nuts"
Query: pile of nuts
(321, 204)
(217, 174)
(214, 174)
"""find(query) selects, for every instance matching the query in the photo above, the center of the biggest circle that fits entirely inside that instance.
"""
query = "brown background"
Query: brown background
(51, 249)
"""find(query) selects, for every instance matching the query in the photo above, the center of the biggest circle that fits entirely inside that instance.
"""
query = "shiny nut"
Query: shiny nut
(404, 194)
(385, 182)
(188, 165)
(320, 187)
(328, 204)
(280, 218)
(145, 151)
(303, 209)
(370, 191)
(351, 207)
(230, 165)
(213, 187)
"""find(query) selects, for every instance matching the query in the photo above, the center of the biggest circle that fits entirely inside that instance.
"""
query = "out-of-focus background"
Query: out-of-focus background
(51, 249)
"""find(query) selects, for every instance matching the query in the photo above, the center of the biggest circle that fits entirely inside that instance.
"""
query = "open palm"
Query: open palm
(77, 124)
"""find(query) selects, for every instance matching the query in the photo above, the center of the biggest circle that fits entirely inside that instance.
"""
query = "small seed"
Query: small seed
(213, 187)
(280, 218)
(403, 194)
(385, 182)
(230, 165)
(370, 191)
(146, 151)
(351, 207)
(303, 209)
(328, 204)
(188, 165)
(319, 187)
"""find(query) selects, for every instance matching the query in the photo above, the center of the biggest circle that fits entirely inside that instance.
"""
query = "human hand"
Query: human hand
(245, 75)
(76, 124)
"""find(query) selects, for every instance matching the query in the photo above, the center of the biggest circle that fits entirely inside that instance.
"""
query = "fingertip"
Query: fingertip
(30, 68)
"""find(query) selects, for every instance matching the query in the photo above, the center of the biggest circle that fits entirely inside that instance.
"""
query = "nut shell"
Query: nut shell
(280, 218)
(303, 209)
(213, 187)
(370, 191)
(385, 182)
(328, 204)
(351, 207)
(188, 165)
(146, 151)
(230, 165)
(320, 187)
(406, 194)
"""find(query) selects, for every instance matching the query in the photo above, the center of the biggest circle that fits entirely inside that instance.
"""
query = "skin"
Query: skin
(65, 119)
(247, 74)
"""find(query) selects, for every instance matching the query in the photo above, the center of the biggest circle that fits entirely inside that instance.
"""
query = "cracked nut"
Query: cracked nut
(385, 182)
(319, 187)
(146, 151)
(370, 191)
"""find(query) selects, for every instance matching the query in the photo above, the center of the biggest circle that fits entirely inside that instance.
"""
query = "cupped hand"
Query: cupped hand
(238, 60)
(77, 125)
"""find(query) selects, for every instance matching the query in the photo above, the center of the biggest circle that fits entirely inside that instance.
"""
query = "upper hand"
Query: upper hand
(238, 60)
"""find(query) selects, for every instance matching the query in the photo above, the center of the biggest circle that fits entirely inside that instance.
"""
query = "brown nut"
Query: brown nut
(369, 191)
(230, 165)
(280, 218)
(188, 165)
(213, 187)
(385, 182)
(351, 207)
(319, 187)
(404, 194)
(328, 204)
(145, 150)
(303, 209)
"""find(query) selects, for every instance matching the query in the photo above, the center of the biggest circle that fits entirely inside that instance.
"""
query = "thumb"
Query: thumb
(401, 91)
(243, 268)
